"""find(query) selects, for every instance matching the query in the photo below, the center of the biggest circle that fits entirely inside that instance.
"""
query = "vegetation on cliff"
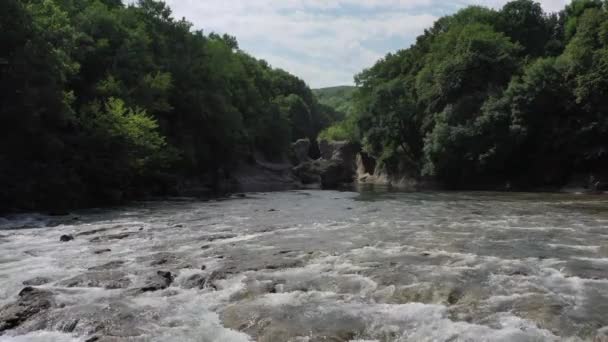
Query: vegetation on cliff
(102, 101)
(487, 96)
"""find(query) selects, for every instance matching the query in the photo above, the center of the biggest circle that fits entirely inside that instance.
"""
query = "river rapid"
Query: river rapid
(308, 266)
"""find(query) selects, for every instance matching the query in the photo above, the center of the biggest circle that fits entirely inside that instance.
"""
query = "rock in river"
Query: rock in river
(104, 279)
(159, 281)
(31, 302)
(66, 238)
(37, 281)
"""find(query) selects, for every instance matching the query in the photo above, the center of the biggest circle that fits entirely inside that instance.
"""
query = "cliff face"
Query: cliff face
(336, 166)
(344, 163)
(370, 172)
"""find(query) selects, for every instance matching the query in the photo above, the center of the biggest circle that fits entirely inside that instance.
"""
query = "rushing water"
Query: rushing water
(319, 266)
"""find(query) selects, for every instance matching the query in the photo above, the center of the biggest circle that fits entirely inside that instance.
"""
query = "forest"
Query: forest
(485, 98)
(104, 102)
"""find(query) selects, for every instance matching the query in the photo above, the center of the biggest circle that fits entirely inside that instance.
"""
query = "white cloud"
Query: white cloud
(325, 42)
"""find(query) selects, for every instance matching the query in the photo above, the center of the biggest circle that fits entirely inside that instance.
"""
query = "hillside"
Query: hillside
(338, 98)
(105, 102)
(510, 98)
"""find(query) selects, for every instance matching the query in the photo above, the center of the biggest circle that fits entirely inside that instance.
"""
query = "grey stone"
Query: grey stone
(30, 303)
(301, 150)
(103, 279)
(110, 237)
(108, 266)
(159, 281)
(66, 238)
(37, 281)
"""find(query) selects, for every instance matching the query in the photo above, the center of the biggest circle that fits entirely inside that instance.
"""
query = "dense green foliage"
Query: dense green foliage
(103, 102)
(484, 97)
(339, 98)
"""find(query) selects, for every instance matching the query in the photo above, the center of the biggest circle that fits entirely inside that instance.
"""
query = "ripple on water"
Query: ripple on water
(321, 265)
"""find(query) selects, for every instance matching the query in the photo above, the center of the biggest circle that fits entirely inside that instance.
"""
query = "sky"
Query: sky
(324, 42)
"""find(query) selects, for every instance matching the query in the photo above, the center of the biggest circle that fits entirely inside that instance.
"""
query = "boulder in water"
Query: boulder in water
(103, 279)
(30, 303)
(107, 266)
(198, 281)
(159, 281)
(37, 281)
(66, 238)
(336, 166)
(330, 173)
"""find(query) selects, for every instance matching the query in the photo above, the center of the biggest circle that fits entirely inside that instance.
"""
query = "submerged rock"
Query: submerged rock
(108, 266)
(109, 322)
(94, 231)
(159, 281)
(37, 281)
(31, 302)
(162, 258)
(103, 279)
(216, 237)
(102, 251)
(110, 237)
(195, 281)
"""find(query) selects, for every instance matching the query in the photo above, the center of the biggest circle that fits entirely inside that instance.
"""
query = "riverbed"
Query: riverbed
(308, 266)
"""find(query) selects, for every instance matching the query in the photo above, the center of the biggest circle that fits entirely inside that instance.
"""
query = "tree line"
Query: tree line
(485, 97)
(103, 102)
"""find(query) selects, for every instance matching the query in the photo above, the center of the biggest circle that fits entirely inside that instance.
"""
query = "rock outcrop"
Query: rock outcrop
(30, 303)
(66, 238)
(336, 166)
(37, 281)
(398, 175)
(301, 149)
(158, 281)
(261, 175)
(103, 279)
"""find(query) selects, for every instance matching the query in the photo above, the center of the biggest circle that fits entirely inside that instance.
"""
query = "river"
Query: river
(308, 266)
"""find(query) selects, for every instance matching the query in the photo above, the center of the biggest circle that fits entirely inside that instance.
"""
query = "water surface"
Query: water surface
(319, 266)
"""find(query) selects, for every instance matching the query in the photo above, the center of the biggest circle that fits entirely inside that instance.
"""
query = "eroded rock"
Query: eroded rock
(30, 303)
(103, 279)
(216, 237)
(301, 149)
(37, 281)
(161, 259)
(199, 281)
(108, 266)
(110, 237)
(330, 173)
(93, 232)
(159, 281)
(102, 251)
(114, 321)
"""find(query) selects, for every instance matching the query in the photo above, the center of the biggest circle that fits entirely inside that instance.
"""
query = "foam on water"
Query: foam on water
(310, 266)
(41, 336)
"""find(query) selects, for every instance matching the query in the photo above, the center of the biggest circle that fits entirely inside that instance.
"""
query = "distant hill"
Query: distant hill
(338, 98)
